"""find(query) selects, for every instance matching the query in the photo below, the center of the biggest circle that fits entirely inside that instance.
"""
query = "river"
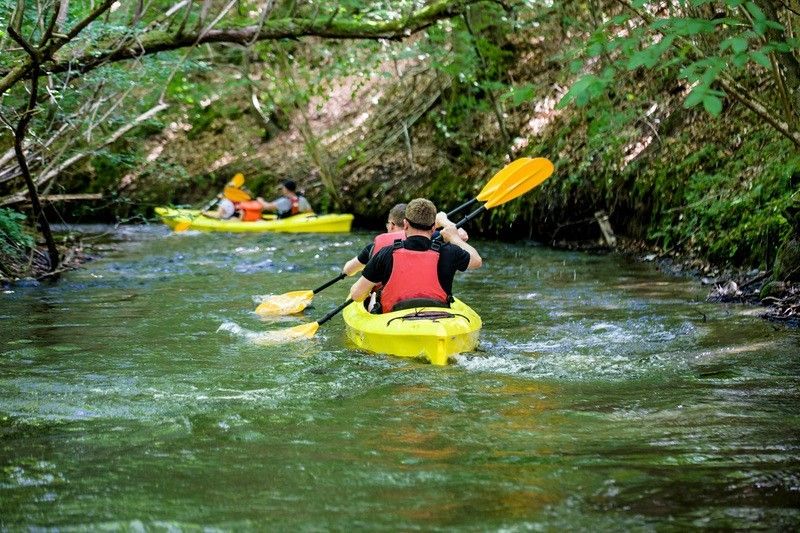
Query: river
(604, 395)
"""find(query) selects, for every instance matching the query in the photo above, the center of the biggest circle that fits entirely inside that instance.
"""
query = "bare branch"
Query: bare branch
(118, 134)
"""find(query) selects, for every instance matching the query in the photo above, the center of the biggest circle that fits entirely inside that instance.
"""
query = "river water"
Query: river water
(604, 395)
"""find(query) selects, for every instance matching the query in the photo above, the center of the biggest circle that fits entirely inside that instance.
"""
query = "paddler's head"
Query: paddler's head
(394, 222)
(420, 217)
(288, 188)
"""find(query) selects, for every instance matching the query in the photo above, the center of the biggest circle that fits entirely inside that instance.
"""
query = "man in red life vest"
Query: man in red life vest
(289, 203)
(394, 231)
(417, 271)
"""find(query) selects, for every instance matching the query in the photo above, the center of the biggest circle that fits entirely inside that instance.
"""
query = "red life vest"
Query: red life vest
(414, 275)
(385, 239)
(295, 205)
(250, 210)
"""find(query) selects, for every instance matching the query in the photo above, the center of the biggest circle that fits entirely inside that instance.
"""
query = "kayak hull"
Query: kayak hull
(410, 333)
(302, 223)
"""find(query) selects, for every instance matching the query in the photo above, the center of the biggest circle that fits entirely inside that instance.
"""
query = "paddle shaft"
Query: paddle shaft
(329, 283)
(463, 221)
(334, 312)
(209, 204)
(463, 206)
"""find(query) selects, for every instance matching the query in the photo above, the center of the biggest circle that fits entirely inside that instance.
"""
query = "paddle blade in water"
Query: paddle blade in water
(238, 180)
(182, 226)
(281, 336)
(497, 180)
(523, 180)
(285, 304)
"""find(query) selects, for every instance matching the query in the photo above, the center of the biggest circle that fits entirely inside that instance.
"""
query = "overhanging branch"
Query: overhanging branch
(288, 28)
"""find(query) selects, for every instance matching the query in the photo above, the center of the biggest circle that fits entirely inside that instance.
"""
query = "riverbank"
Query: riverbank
(34, 265)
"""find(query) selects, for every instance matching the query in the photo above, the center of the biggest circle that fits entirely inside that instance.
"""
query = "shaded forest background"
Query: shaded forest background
(678, 119)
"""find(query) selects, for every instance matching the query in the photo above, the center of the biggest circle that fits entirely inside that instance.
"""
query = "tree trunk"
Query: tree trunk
(19, 139)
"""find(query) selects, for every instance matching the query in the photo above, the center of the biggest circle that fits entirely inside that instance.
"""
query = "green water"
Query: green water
(604, 396)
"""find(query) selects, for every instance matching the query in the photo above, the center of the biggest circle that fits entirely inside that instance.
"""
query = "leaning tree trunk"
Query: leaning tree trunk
(19, 138)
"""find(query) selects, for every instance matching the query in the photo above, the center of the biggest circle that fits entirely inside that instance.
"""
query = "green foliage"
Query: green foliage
(15, 241)
(701, 49)
(724, 211)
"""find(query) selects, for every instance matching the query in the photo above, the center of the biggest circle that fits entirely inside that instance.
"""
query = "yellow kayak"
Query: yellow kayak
(302, 223)
(432, 333)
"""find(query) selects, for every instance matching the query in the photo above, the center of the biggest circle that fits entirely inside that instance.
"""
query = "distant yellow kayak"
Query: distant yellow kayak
(302, 223)
(431, 333)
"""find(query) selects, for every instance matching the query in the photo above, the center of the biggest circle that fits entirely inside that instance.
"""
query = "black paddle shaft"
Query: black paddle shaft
(334, 312)
(463, 206)
(463, 221)
(329, 283)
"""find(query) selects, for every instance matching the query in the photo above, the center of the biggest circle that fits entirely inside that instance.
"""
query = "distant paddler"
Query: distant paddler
(235, 201)
(288, 203)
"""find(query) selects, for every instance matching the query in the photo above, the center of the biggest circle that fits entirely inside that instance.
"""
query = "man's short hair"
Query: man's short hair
(397, 214)
(289, 184)
(421, 214)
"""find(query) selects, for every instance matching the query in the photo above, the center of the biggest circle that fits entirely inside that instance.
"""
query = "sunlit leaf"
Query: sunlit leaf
(712, 104)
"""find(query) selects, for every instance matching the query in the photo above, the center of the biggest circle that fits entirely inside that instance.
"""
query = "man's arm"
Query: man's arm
(354, 266)
(357, 264)
(450, 234)
(360, 289)
(281, 204)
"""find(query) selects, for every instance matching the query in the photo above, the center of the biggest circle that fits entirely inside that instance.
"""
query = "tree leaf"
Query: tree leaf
(755, 11)
(712, 104)
(737, 44)
(695, 97)
(761, 58)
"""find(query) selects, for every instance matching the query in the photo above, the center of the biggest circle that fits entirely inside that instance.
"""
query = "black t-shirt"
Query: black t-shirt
(451, 258)
(365, 254)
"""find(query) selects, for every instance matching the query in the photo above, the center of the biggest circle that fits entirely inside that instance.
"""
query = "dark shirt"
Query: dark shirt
(365, 254)
(451, 258)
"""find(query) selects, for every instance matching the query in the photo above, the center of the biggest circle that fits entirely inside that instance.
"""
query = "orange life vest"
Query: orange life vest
(414, 275)
(250, 210)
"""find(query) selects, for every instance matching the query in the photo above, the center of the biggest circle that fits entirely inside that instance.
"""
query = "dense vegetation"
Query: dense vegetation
(679, 119)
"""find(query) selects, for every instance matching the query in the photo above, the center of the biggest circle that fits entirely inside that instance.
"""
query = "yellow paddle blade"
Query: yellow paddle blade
(237, 180)
(525, 178)
(285, 304)
(503, 174)
(301, 332)
(235, 194)
(182, 226)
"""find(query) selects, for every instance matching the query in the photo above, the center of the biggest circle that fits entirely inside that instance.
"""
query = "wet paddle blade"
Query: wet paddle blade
(281, 336)
(498, 179)
(182, 226)
(285, 304)
(237, 180)
(525, 178)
